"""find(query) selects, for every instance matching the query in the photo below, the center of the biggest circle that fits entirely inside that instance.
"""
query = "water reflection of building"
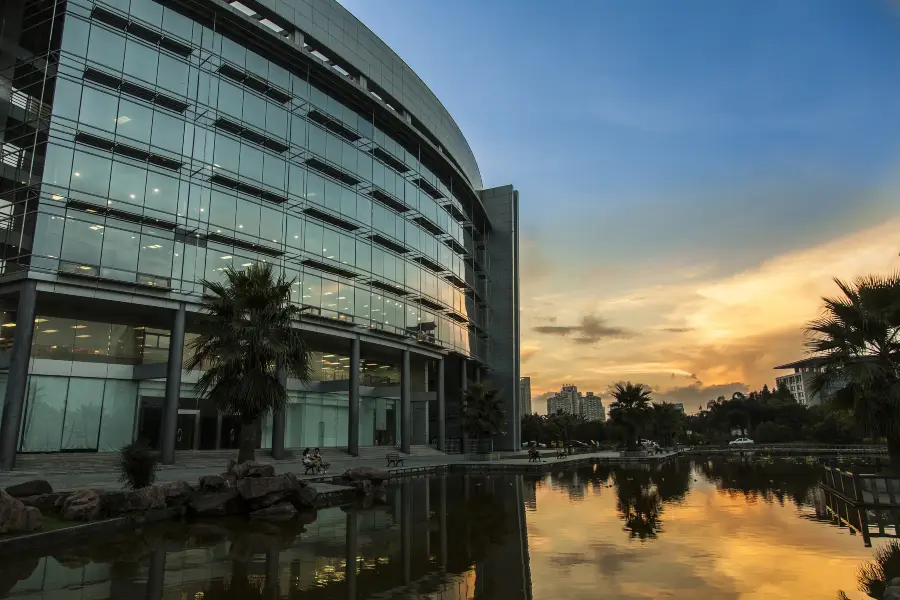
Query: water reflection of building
(439, 538)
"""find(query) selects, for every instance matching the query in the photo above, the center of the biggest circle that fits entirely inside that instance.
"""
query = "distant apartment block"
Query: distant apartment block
(569, 400)
(525, 396)
(800, 382)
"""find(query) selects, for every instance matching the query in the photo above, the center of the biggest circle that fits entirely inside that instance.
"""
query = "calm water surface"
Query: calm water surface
(688, 529)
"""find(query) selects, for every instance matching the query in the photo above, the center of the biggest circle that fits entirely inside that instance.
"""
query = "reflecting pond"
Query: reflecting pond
(718, 528)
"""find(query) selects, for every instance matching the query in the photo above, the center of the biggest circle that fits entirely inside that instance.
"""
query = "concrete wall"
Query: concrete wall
(502, 207)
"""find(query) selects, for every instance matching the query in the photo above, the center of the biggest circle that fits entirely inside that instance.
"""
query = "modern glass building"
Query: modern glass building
(147, 145)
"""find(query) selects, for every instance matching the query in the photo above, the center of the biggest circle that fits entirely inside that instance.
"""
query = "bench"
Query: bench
(394, 459)
(311, 466)
(561, 453)
(534, 456)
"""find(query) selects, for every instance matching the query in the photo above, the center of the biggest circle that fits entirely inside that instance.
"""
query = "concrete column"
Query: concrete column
(278, 422)
(273, 571)
(464, 385)
(173, 389)
(478, 374)
(441, 407)
(14, 403)
(156, 574)
(405, 405)
(353, 413)
(351, 553)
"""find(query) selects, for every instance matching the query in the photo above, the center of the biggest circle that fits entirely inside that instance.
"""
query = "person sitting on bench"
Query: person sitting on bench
(560, 451)
(309, 463)
(317, 458)
(533, 454)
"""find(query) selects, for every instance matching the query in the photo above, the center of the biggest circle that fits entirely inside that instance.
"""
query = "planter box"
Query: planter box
(633, 453)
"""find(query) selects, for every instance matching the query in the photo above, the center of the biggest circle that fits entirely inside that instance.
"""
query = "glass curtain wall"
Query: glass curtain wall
(164, 166)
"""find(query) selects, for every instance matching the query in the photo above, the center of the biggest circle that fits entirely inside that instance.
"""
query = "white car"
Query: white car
(740, 441)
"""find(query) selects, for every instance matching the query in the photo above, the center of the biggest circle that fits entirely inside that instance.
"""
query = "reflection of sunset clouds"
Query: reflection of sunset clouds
(714, 544)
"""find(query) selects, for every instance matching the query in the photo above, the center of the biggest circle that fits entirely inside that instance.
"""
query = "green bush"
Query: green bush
(138, 464)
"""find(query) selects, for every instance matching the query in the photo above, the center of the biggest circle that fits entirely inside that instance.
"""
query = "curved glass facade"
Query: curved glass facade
(174, 151)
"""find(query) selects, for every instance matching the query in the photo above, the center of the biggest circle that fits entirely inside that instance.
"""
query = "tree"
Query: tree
(631, 409)
(246, 336)
(483, 414)
(857, 340)
(666, 422)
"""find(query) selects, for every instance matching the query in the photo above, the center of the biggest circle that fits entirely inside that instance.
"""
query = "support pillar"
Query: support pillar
(353, 412)
(464, 386)
(279, 422)
(17, 382)
(477, 374)
(173, 389)
(405, 404)
(351, 554)
(156, 574)
(442, 515)
(441, 408)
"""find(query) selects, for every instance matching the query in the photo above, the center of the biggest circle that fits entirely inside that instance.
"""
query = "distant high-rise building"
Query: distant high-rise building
(592, 408)
(800, 382)
(569, 400)
(524, 396)
(679, 406)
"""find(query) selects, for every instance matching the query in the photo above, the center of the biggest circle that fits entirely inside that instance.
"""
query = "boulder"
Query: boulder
(252, 469)
(304, 497)
(218, 503)
(15, 517)
(891, 593)
(35, 487)
(122, 502)
(82, 505)
(262, 492)
(48, 504)
(211, 483)
(282, 510)
(376, 476)
(176, 494)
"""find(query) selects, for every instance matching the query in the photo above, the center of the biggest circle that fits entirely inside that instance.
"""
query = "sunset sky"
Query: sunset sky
(692, 174)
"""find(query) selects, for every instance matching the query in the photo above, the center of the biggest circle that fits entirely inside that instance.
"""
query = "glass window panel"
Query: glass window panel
(333, 196)
(251, 162)
(234, 52)
(347, 250)
(168, 132)
(66, 99)
(348, 203)
(222, 209)
(174, 23)
(362, 303)
(82, 242)
(254, 110)
(99, 109)
(273, 172)
(54, 338)
(333, 148)
(313, 242)
(123, 345)
(128, 184)
(42, 430)
(316, 140)
(134, 121)
(294, 232)
(363, 255)
(330, 244)
(315, 188)
(296, 181)
(156, 255)
(48, 234)
(173, 74)
(276, 121)
(75, 35)
(161, 199)
(119, 410)
(329, 295)
(227, 153)
(271, 225)
(247, 217)
(141, 61)
(149, 12)
(91, 342)
(120, 253)
(312, 290)
(231, 99)
(106, 47)
(345, 299)
(58, 166)
(298, 131)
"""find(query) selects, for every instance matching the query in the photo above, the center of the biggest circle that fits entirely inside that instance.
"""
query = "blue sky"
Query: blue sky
(654, 140)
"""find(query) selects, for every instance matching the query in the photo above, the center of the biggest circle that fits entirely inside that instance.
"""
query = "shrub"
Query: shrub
(137, 465)
(770, 432)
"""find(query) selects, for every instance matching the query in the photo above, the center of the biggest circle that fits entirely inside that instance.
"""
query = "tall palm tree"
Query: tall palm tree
(857, 339)
(246, 337)
(631, 408)
(483, 414)
(666, 421)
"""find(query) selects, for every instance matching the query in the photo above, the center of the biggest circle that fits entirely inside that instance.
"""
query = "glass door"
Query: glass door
(188, 429)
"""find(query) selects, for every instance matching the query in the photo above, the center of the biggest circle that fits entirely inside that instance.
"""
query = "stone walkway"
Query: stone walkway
(108, 479)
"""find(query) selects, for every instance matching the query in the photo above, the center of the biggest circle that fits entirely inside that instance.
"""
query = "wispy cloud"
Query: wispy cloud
(591, 329)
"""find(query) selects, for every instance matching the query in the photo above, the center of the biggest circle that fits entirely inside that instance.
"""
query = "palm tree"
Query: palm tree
(631, 408)
(857, 340)
(667, 422)
(483, 414)
(246, 337)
